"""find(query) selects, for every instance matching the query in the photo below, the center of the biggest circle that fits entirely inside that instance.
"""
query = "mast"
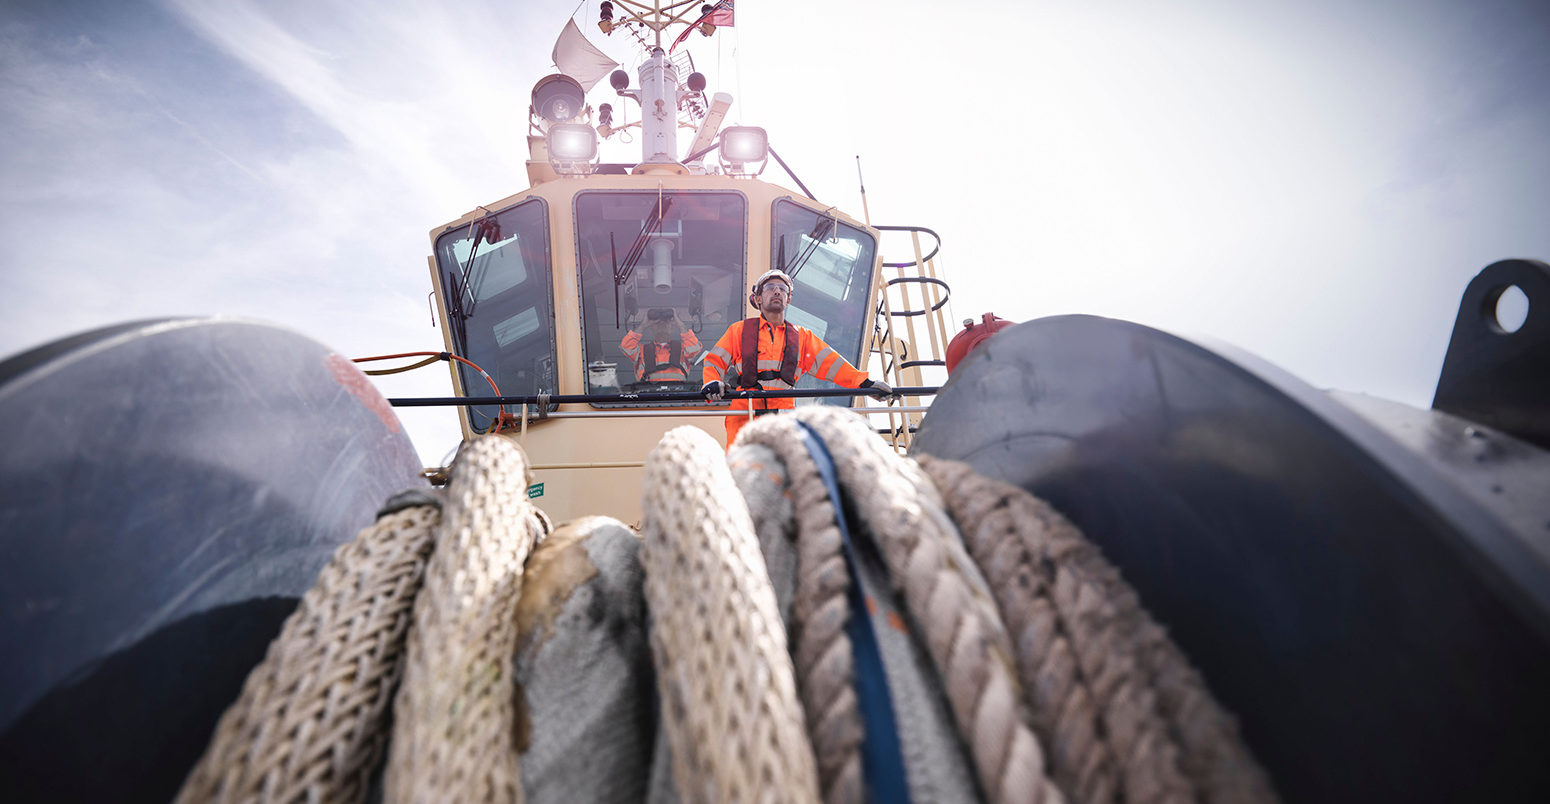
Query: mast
(660, 94)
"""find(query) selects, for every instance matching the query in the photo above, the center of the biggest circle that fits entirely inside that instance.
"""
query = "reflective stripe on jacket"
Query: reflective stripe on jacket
(725, 361)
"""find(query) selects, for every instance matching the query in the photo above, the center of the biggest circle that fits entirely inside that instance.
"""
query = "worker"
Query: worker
(768, 352)
(667, 353)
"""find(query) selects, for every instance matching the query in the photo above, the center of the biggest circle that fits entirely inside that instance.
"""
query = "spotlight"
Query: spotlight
(572, 142)
(696, 82)
(558, 98)
(619, 79)
(743, 144)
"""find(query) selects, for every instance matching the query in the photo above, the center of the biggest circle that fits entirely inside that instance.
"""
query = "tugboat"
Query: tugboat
(1364, 585)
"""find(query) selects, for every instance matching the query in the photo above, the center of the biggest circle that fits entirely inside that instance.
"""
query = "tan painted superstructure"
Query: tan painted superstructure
(588, 460)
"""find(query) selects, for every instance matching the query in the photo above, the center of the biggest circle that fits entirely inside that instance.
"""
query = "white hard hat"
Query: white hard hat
(774, 273)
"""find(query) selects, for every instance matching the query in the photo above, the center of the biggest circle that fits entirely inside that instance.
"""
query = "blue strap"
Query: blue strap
(882, 759)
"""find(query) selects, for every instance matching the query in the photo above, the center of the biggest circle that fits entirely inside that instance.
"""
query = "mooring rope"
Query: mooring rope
(728, 696)
(1120, 705)
(948, 601)
(454, 724)
(820, 647)
(1057, 682)
(310, 723)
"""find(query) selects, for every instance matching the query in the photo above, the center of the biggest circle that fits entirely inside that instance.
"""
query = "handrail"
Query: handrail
(920, 280)
(925, 259)
(657, 396)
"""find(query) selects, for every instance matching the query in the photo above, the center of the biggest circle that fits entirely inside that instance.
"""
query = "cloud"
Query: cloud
(1313, 182)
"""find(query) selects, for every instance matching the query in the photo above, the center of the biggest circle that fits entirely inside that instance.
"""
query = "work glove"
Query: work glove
(713, 390)
(878, 388)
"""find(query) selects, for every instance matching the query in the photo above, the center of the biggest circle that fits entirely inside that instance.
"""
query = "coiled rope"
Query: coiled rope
(310, 723)
(946, 598)
(454, 723)
(729, 700)
(1058, 683)
(821, 649)
(1159, 735)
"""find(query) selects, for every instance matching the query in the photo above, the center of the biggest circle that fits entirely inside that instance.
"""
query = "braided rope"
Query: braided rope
(825, 665)
(729, 701)
(310, 722)
(948, 602)
(1161, 736)
(454, 718)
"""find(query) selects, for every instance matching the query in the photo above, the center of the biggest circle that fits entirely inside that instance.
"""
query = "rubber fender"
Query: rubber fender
(1366, 585)
(168, 491)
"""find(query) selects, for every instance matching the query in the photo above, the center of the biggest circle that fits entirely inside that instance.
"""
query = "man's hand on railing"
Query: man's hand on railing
(879, 389)
(713, 390)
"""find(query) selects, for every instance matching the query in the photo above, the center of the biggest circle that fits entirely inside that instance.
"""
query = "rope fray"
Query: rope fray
(729, 700)
(311, 721)
(1126, 716)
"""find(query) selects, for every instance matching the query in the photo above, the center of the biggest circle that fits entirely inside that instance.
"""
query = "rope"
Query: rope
(948, 602)
(729, 702)
(821, 650)
(1078, 670)
(310, 722)
(454, 730)
(1115, 698)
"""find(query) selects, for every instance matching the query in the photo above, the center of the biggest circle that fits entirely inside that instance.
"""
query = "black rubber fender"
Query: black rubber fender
(1364, 584)
(168, 491)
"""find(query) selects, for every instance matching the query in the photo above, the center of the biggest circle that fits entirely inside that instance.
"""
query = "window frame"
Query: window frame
(873, 267)
(581, 312)
(460, 346)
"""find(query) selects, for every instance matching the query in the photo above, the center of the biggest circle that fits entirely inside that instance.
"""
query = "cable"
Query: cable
(435, 356)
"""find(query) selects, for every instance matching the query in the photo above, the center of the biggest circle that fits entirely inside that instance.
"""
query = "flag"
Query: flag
(719, 15)
(580, 59)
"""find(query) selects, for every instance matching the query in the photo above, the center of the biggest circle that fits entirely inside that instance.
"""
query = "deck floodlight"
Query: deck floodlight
(558, 98)
(696, 82)
(619, 80)
(743, 145)
(572, 142)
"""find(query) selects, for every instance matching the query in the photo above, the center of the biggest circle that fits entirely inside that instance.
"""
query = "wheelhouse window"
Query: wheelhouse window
(661, 277)
(831, 264)
(495, 277)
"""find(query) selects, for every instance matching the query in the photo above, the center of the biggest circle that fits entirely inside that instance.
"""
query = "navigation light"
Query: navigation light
(741, 145)
(558, 98)
(572, 142)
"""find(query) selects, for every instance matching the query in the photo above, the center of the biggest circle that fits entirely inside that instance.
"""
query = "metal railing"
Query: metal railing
(901, 349)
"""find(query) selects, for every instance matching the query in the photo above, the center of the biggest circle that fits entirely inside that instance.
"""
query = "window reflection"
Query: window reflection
(831, 264)
(661, 278)
(495, 279)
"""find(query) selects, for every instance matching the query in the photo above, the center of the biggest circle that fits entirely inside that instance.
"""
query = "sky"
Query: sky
(1314, 182)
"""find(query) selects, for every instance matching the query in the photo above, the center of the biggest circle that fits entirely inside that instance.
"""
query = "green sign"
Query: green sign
(535, 490)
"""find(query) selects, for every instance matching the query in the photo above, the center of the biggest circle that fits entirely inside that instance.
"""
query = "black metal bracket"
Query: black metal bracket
(1498, 378)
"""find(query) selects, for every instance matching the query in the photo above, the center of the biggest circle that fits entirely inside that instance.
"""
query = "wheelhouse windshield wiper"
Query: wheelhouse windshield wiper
(825, 225)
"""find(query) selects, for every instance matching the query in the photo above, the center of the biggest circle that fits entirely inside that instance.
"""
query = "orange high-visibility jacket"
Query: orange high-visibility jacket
(663, 367)
(724, 362)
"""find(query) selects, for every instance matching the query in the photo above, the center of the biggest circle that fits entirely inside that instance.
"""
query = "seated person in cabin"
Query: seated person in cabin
(665, 351)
